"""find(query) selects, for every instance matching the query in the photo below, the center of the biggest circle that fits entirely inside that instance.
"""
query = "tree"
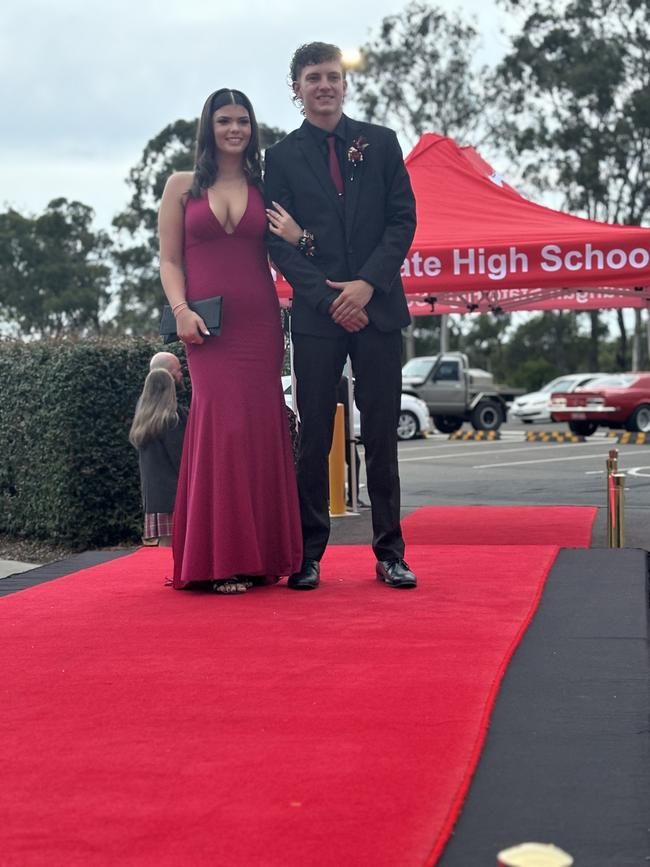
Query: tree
(546, 345)
(419, 73)
(54, 270)
(483, 335)
(426, 335)
(139, 294)
(576, 84)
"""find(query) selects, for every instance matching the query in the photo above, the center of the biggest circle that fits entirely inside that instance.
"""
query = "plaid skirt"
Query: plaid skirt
(157, 524)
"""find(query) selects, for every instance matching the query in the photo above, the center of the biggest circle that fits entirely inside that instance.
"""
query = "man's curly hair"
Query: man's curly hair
(311, 54)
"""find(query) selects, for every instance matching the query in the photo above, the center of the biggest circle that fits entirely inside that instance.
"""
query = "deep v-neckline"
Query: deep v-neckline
(241, 219)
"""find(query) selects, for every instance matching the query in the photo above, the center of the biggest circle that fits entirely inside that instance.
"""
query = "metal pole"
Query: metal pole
(618, 523)
(636, 343)
(444, 333)
(409, 341)
(612, 467)
(354, 505)
(294, 402)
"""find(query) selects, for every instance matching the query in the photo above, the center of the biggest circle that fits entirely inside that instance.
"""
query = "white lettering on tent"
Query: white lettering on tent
(639, 258)
(470, 261)
(497, 266)
(591, 255)
(432, 266)
(550, 259)
(616, 259)
(590, 259)
(416, 266)
(570, 262)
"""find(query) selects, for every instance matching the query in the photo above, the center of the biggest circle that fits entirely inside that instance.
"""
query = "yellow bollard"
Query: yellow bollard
(337, 464)
(612, 467)
(618, 510)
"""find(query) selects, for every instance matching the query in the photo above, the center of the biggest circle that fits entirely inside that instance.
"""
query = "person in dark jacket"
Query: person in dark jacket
(345, 185)
(157, 433)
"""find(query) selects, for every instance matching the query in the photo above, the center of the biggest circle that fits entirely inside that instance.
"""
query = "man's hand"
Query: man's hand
(345, 309)
(355, 322)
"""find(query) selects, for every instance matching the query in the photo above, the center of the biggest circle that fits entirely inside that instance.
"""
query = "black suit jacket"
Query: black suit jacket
(366, 238)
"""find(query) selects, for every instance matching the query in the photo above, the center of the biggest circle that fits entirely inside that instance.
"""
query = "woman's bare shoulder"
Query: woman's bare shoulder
(179, 183)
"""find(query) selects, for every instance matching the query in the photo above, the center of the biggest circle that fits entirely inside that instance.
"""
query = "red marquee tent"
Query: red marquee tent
(480, 245)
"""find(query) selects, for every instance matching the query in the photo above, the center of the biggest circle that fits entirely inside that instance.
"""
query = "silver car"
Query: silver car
(535, 406)
(414, 419)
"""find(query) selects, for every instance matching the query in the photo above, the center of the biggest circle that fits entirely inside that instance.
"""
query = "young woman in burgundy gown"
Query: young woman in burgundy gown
(236, 521)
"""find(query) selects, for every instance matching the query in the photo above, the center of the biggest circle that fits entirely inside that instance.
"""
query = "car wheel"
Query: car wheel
(447, 423)
(407, 426)
(488, 415)
(640, 419)
(583, 428)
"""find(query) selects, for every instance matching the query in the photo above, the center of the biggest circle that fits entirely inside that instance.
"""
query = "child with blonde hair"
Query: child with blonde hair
(157, 433)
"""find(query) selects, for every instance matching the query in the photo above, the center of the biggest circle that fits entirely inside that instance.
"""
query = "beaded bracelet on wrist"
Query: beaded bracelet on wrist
(307, 243)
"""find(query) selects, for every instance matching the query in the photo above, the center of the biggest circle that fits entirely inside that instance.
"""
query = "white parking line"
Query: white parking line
(539, 461)
(639, 471)
(524, 448)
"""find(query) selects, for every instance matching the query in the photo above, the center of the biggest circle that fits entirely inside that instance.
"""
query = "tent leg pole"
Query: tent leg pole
(444, 333)
(409, 341)
(350, 437)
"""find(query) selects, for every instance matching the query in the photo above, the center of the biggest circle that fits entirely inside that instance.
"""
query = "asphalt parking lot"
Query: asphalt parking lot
(511, 471)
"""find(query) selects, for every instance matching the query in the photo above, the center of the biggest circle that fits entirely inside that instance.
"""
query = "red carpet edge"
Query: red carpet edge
(457, 802)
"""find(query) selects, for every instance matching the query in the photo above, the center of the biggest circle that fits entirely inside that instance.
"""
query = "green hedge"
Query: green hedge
(67, 471)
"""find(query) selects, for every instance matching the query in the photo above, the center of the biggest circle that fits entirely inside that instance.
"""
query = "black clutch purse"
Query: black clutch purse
(209, 309)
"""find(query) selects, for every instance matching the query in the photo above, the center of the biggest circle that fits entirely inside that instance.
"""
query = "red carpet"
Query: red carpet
(565, 526)
(145, 726)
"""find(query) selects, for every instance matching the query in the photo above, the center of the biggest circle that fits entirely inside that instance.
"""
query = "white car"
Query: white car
(414, 419)
(536, 405)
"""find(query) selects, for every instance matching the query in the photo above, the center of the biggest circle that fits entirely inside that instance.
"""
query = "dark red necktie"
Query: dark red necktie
(335, 168)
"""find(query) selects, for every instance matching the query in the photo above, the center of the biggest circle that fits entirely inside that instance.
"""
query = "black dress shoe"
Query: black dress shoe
(308, 578)
(396, 573)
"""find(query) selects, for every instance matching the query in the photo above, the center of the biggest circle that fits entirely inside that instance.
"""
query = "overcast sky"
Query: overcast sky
(84, 85)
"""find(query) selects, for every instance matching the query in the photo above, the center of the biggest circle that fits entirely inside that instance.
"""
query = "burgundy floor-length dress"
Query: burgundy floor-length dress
(237, 503)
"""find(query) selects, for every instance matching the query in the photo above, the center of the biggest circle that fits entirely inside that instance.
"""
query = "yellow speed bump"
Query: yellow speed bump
(486, 435)
(554, 436)
(630, 438)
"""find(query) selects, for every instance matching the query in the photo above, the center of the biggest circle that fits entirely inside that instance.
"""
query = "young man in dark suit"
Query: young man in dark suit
(345, 184)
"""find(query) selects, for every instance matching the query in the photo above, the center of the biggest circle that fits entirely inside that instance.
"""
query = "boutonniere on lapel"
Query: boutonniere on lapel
(356, 154)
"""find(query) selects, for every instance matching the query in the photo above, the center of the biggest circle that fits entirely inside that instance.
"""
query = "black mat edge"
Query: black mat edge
(567, 757)
(58, 569)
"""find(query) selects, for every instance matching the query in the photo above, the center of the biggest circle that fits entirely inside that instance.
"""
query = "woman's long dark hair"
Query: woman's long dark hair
(206, 166)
